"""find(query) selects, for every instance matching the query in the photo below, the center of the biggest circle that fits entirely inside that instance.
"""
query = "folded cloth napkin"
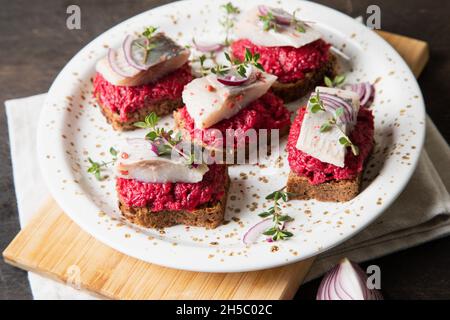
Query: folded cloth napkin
(420, 214)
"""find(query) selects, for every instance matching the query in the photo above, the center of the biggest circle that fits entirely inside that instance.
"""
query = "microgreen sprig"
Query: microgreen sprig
(298, 25)
(316, 105)
(336, 82)
(148, 46)
(228, 20)
(277, 231)
(97, 167)
(269, 21)
(164, 141)
(239, 66)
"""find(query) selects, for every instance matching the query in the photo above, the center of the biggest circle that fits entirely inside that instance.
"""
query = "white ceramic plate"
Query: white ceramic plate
(71, 129)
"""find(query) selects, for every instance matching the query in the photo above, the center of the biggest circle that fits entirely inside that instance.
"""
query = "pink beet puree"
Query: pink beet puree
(319, 172)
(267, 112)
(289, 64)
(173, 196)
(125, 100)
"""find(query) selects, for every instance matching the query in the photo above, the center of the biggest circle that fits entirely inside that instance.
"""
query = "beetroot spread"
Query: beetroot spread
(319, 172)
(174, 196)
(125, 100)
(267, 112)
(289, 64)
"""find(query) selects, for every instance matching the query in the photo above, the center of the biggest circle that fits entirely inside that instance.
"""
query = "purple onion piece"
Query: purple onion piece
(333, 285)
(127, 50)
(348, 109)
(255, 231)
(112, 60)
(281, 17)
(213, 47)
(368, 88)
(233, 78)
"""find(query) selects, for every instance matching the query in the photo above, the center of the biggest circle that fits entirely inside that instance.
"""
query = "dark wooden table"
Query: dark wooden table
(35, 44)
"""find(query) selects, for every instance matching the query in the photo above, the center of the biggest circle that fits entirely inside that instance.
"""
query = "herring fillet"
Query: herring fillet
(145, 166)
(208, 101)
(166, 57)
(325, 146)
(249, 27)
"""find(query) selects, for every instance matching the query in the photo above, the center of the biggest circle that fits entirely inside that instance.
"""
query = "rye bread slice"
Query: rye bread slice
(332, 191)
(295, 90)
(209, 216)
(161, 108)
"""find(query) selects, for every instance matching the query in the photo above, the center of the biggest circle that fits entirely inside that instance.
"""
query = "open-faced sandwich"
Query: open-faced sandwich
(159, 185)
(147, 74)
(289, 48)
(328, 145)
(224, 105)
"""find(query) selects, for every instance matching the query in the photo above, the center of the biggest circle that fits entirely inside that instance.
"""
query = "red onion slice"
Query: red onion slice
(369, 89)
(281, 17)
(119, 65)
(335, 102)
(213, 47)
(346, 281)
(127, 47)
(255, 232)
(323, 292)
(233, 78)
(365, 91)
(154, 148)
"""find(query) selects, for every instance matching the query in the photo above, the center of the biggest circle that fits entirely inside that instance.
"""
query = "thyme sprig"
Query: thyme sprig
(337, 81)
(239, 66)
(164, 141)
(297, 24)
(269, 21)
(316, 105)
(228, 20)
(97, 167)
(277, 231)
(204, 70)
(148, 46)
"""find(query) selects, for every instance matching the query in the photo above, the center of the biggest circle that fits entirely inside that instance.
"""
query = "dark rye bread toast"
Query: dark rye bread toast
(292, 91)
(180, 125)
(161, 108)
(209, 216)
(332, 191)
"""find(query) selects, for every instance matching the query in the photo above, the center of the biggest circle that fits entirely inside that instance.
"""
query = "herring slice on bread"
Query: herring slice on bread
(289, 48)
(216, 105)
(160, 190)
(328, 145)
(145, 74)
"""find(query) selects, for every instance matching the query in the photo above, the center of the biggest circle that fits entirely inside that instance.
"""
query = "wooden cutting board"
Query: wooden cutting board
(54, 246)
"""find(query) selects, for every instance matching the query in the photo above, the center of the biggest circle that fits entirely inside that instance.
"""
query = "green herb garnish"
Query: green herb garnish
(164, 141)
(240, 67)
(97, 167)
(336, 82)
(148, 46)
(277, 231)
(228, 20)
(269, 21)
(316, 105)
(298, 25)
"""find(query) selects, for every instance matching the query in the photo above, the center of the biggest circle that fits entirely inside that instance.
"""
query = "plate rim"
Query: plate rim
(59, 196)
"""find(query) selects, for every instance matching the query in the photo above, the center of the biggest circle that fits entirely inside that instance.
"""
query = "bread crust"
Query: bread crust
(331, 191)
(295, 90)
(161, 108)
(209, 216)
